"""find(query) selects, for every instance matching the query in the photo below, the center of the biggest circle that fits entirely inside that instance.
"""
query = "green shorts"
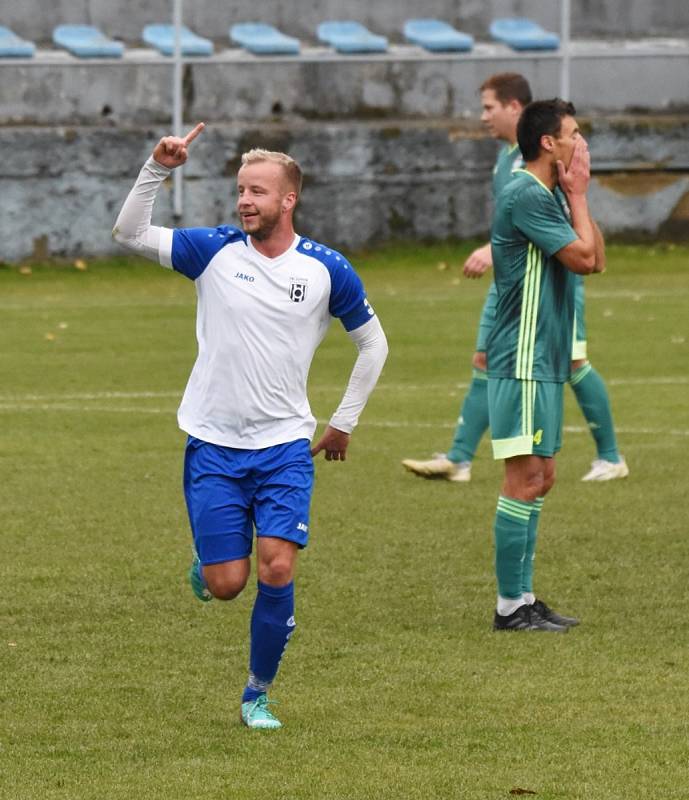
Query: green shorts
(579, 338)
(485, 325)
(525, 417)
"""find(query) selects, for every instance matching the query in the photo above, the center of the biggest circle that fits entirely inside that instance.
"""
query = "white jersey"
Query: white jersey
(259, 322)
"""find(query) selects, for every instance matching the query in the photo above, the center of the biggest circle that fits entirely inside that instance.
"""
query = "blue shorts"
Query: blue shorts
(229, 492)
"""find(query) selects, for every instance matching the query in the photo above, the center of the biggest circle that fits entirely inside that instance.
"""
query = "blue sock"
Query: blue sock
(272, 624)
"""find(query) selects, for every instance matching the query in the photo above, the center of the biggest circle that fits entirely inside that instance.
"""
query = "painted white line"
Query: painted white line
(43, 398)
(60, 304)
(18, 408)
(566, 428)
(384, 424)
(17, 399)
(632, 294)
(678, 380)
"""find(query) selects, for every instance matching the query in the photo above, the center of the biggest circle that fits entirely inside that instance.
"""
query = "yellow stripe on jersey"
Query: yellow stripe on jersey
(529, 313)
(528, 405)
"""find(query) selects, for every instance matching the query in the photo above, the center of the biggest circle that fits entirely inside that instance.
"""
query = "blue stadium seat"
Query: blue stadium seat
(87, 41)
(12, 46)
(523, 34)
(162, 37)
(437, 36)
(263, 39)
(351, 37)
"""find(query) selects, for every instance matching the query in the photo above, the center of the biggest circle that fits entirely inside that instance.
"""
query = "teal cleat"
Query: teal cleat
(198, 585)
(256, 714)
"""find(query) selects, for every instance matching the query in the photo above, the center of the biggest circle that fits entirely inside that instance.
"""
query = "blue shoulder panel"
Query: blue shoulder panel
(347, 296)
(193, 248)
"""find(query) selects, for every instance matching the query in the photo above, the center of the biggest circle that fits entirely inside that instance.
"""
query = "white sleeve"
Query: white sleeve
(373, 350)
(133, 227)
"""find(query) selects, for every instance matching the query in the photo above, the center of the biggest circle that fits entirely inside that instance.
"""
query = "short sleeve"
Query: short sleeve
(194, 248)
(347, 297)
(537, 214)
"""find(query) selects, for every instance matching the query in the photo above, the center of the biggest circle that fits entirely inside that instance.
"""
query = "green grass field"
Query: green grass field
(116, 684)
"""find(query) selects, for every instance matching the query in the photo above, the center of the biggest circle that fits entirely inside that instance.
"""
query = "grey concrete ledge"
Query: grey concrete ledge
(578, 49)
(57, 88)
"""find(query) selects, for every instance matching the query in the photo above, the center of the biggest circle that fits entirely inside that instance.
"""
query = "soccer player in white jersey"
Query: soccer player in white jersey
(266, 297)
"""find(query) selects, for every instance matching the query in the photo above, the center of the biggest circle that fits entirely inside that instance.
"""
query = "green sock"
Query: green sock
(592, 396)
(473, 419)
(511, 533)
(530, 553)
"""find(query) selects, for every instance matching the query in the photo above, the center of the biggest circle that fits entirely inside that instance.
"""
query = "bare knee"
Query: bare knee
(533, 488)
(225, 581)
(479, 361)
(528, 477)
(548, 477)
(277, 560)
(277, 572)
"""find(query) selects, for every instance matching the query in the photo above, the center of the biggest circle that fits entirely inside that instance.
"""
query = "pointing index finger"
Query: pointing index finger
(194, 133)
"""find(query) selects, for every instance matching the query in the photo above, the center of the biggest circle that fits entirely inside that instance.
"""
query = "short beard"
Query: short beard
(265, 230)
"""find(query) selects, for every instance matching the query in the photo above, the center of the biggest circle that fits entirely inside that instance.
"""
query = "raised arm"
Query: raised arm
(373, 350)
(133, 228)
(580, 255)
(172, 151)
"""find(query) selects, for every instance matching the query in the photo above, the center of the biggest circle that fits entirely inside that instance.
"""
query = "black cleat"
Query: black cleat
(525, 619)
(549, 615)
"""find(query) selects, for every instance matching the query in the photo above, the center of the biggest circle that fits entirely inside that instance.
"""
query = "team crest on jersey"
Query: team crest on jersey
(297, 290)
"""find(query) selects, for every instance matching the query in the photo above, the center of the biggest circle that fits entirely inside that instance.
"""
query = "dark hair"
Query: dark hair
(541, 118)
(508, 86)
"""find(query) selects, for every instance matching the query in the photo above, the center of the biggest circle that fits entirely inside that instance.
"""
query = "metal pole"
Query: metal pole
(177, 175)
(565, 12)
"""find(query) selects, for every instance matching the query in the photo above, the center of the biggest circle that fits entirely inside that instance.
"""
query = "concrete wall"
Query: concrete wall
(61, 190)
(36, 19)
(59, 89)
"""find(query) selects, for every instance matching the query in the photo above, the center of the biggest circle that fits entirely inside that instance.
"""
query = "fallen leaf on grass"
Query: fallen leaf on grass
(518, 790)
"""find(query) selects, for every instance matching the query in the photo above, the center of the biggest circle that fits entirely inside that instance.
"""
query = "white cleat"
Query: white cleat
(607, 470)
(440, 467)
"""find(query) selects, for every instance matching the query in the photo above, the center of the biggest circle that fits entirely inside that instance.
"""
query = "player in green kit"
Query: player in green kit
(503, 96)
(542, 238)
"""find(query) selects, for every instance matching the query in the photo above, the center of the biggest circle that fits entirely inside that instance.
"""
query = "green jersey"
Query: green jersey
(508, 161)
(534, 318)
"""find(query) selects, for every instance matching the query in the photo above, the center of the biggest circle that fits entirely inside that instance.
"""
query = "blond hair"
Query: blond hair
(290, 167)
